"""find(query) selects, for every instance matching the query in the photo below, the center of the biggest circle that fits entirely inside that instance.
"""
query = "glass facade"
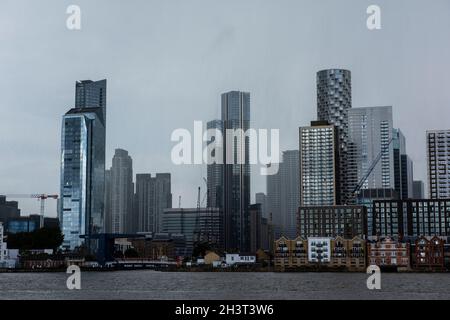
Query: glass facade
(236, 181)
(81, 211)
(403, 166)
(215, 170)
(22, 225)
(370, 130)
(283, 193)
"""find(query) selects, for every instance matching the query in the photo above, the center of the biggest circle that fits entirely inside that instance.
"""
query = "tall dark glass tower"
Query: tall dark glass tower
(83, 166)
(334, 100)
(215, 171)
(236, 179)
(91, 94)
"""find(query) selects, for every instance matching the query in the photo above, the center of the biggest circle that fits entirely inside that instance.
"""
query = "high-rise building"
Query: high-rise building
(122, 191)
(319, 165)
(273, 201)
(256, 228)
(91, 94)
(83, 166)
(334, 100)
(407, 177)
(283, 193)
(290, 191)
(236, 178)
(370, 130)
(418, 189)
(438, 163)
(261, 198)
(215, 171)
(108, 216)
(8, 210)
(153, 196)
(403, 166)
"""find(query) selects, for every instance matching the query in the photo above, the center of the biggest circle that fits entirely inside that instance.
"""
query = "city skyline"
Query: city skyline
(295, 101)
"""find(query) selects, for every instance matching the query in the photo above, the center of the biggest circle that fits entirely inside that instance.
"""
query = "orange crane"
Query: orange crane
(41, 197)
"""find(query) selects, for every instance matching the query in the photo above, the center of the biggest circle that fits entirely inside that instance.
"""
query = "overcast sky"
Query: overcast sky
(167, 62)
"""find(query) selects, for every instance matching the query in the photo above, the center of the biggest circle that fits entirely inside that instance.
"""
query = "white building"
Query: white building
(3, 248)
(319, 250)
(438, 160)
(8, 258)
(234, 258)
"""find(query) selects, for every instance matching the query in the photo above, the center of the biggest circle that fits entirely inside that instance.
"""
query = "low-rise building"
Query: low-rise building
(429, 253)
(232, 259)
(389, 253)
(319, 250)
(211, 257)
(324, 253)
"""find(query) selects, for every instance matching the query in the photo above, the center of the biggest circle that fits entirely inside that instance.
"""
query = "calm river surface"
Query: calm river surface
(223, 286)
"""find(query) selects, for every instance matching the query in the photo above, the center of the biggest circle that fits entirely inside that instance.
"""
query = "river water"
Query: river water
(144, 284)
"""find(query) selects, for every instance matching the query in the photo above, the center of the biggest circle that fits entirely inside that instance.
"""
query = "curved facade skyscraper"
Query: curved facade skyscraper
(81, 212)
(334, 100)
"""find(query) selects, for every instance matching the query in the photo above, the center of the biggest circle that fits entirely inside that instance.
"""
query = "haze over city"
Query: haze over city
(168, 62)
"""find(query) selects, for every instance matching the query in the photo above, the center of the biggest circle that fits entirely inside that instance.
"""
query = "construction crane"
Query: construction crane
(202, 233)
(206, 193)
(361, 182)
(41, 197)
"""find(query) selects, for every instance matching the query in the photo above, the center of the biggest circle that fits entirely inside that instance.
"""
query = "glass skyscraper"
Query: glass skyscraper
(215, 170)
(236, 180)
(403, 166)
(81, 211)
(283, 194)
(370, 130)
